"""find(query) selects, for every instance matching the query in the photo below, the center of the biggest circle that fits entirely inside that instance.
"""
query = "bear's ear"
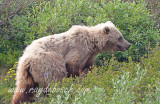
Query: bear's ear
(106, 30)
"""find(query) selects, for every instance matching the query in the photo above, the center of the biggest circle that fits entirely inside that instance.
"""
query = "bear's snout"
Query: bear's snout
(124, 48)
(128, 46)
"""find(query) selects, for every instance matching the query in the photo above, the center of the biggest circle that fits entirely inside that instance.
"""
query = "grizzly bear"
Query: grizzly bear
(54, 57)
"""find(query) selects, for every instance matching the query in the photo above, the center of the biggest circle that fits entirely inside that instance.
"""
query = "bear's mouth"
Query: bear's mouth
(121, 48)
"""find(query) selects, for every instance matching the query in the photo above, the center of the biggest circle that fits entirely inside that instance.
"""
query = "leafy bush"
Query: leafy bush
(134, 21)
(11, 44)
(8, 85)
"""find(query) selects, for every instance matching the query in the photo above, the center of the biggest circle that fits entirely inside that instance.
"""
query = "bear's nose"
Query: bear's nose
(129, 46)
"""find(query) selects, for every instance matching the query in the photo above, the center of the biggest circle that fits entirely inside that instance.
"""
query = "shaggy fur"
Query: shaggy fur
(63, 55)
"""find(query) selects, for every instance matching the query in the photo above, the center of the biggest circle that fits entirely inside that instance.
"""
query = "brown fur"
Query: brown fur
(63, 55)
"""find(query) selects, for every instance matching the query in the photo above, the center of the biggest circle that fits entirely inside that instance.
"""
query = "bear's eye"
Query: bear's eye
(120, 39)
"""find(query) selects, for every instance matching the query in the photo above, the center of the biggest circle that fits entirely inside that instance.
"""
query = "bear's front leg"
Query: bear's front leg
(88, 66)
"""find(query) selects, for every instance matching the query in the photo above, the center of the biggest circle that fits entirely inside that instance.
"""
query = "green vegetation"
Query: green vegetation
(125, 77)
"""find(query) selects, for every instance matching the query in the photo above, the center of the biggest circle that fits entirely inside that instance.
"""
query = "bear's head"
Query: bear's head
(111, 39)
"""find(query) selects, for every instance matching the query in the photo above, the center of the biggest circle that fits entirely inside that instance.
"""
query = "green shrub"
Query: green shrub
(7, 85)
(12, 30)
(134, 21)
